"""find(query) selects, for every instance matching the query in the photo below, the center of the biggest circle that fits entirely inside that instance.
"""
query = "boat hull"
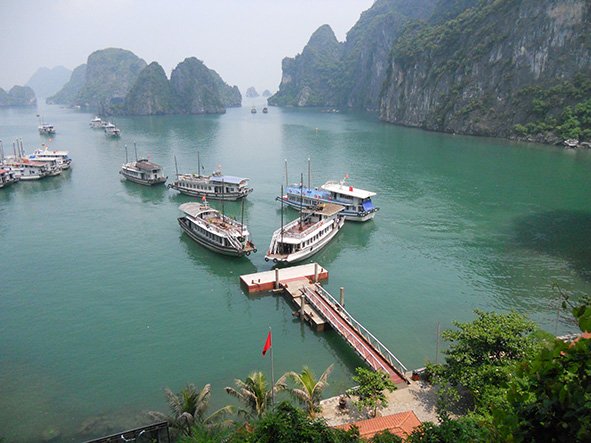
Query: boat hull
(228, 196)
(225, 250)
(144, 182)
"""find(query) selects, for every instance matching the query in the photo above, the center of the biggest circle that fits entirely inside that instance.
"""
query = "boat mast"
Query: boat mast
(176, 167)
(223, 199)
(286, 183)
(308, 172)
(242, 218)
(301, 196)
(135, 149)
(14, 151)
(126, 159)
(198, 165)
(282, 211)
(1, 152)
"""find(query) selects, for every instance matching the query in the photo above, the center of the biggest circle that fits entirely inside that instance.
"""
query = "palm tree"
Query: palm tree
(254, 393)
(189, 407)
(308, 390)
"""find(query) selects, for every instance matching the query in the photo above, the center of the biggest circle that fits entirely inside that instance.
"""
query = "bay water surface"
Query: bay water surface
(104, 302)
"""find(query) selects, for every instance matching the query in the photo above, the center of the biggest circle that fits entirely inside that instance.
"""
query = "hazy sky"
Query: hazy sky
(243, 40)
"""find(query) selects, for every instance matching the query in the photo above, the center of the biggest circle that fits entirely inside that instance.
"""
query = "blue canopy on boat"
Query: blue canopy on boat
(367, 205)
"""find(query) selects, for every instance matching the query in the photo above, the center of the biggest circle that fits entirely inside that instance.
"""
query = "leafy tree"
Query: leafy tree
(466, 429)
(288, 424)
(370, 392)
(481, 357)
(309, 390)
(385, 437)
(550, 398)
(189, 409)
(254, 393)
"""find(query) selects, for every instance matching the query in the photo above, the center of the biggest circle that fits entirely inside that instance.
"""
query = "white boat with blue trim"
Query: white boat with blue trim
(357, 202)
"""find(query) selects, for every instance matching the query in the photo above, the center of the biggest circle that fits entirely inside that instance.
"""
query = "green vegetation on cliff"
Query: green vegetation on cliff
(69, 93)
(17, 96)
(151, 94)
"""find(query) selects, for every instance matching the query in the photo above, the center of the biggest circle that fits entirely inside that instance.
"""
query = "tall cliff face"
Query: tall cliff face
(308, 79)
(230, 95)
(350, 74)
(70, 91)
(110, 74)
(151, 94)
(195, 88)
(482, 72)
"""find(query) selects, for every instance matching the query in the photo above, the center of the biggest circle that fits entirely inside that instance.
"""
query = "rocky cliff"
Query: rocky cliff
(151, 93)
(501, 68)
(308, 79)
(349, 74)
(69, 93)
(47, 82)
(196, 88)
(18, 96)
(252, 92)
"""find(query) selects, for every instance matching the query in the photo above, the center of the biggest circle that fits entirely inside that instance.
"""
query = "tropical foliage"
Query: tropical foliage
(255, 395)
(308, 390)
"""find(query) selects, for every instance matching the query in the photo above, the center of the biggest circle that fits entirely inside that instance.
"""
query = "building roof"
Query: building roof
(401, 424)
(146, 165)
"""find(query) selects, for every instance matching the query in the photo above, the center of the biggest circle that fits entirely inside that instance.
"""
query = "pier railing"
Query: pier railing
(368, 336)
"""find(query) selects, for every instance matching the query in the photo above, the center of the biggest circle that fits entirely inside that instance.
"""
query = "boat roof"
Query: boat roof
(230, 179)
(345, 189)
(193, 209)
(145, 164)
(308, 192)
(326, 209)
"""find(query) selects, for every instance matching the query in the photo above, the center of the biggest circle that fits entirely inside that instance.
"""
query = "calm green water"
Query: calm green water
(104, 302)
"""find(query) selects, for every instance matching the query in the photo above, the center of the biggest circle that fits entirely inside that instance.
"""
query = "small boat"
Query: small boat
(215, 231)
(306, 235)
(8, 176)
(46, 129)
(142, 171)
(265, 110)
(215, 186)
(111, 130)
(46, 154)
(96, 123)
(253, 110)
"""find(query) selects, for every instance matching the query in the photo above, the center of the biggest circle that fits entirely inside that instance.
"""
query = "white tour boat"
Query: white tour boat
(46, 129)
(96, 123)
(27, 169)
(357, 202)
(46, 154)
(215, 231)
(111, 130)
(215, 186)
(306, 235)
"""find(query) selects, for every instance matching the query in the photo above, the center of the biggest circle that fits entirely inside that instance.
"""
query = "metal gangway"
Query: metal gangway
(365, 344)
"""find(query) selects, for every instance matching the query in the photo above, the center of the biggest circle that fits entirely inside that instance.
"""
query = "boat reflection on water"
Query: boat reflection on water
(146, 194)
(214, 263)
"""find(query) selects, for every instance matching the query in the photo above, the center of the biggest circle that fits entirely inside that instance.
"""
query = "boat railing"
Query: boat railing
(378, 345)
(305, 231)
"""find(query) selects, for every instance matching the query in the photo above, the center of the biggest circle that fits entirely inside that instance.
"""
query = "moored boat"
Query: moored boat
(46, 129)
(306, 235)
(96, 123)
(142, 171)
(46, 154)
(215, 231)
(215, 186)
(8, 177)
(111, 130)
(27, 169)
(357, 202)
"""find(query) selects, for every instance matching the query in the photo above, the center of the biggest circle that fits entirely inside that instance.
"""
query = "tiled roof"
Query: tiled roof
(401, 424)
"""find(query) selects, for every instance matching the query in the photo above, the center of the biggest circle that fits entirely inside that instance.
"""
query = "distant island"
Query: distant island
(17, 96)
(47, 82)
(252, 92)
(469, 67)
(267, 93)
(117, 82)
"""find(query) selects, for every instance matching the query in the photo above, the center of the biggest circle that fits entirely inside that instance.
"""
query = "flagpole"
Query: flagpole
(272, 375)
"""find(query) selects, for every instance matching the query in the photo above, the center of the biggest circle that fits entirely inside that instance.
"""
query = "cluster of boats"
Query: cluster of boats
(323, 211)
(43, 162)
(109, 128)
